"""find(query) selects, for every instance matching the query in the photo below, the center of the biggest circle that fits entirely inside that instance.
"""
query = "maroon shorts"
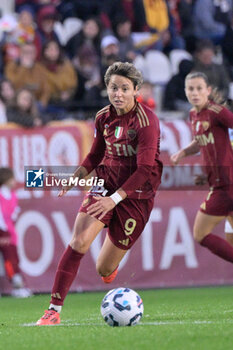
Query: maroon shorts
(219, 202)
(126, 221)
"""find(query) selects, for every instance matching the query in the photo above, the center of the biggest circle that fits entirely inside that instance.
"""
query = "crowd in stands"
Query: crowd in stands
(54, 53)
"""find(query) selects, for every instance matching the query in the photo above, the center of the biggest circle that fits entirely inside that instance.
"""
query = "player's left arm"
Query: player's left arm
(148, 139)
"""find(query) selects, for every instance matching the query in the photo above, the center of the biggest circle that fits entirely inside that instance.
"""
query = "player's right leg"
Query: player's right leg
(86, 228)
(203, 226)
(229, 229)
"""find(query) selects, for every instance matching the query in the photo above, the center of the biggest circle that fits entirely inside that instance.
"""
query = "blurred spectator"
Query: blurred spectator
(216, 73)
(8, 237)
(46, 17)
(163, 32)
(36, 4)
(79, 8)
(29, 73)
(87, 65)
(84, 50)
(7, 97)
(24, 112)
(123, 33)
(60, 75)
(174, 98)
(23, 32)
(173, 8)
(110, 51)
(146, 95)
(19, 3)
(88, 37)
(211, 19)
(113, 10)
(227, 47)
(185, 9)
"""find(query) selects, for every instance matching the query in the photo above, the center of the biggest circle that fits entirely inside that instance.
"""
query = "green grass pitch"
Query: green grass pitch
(174, 319)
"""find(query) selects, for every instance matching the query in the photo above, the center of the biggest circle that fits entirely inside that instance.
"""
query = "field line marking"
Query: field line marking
(153, 323)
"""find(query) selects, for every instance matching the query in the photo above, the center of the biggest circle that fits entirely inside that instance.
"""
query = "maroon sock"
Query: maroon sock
(11, 261)
(66, 272)
(218, 246)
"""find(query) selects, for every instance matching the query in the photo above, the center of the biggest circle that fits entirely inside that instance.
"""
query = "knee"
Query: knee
(79, 244)
(198, 236)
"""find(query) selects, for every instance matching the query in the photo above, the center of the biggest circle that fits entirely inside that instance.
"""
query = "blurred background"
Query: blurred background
(53, 58)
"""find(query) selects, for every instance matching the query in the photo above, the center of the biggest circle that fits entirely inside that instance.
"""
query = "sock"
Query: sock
(55, 307)
(66, 272)
(218, 246)
(11, 260)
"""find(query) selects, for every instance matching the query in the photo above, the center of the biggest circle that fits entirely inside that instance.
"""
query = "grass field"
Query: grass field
(174, 319)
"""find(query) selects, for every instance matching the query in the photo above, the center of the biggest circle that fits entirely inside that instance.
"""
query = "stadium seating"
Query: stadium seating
(176, 56)
(158, 67)
(69, 28)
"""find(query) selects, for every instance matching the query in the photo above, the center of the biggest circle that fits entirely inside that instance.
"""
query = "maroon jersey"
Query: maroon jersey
(125, 151)
(210, 129)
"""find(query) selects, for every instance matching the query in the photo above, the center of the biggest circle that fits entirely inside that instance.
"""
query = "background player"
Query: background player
(8, 237)
(125, 154)
(228, 228)
(210, 123)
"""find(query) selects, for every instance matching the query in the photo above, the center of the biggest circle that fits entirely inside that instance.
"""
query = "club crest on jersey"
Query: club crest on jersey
(205, 125)
(202, 126)
(118, 132)
(132, 134)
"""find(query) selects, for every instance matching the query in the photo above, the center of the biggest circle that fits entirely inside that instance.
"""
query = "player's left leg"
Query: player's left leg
(108, 260)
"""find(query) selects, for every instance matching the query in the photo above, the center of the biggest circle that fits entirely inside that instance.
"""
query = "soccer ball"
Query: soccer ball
(122, 307)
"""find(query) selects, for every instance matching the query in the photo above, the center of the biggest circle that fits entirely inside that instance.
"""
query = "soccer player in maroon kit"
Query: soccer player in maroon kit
(210, 123)
(125, 153)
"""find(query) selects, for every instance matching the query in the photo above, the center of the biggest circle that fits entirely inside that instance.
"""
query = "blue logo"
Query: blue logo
(35, 178)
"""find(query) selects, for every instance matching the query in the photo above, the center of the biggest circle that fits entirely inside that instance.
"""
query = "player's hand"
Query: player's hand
(101, 207)
(176, 157)
(200, 179)
(80, 172)
(64, 190)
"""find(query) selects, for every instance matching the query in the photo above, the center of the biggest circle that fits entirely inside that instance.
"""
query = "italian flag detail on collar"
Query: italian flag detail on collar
(118, 131)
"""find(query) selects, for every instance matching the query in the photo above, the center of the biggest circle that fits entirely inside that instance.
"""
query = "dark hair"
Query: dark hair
(204, 44)
(3, 81)
(60, 58)
(125, 69)
(5, 175)
(33, 110)
(215, 95)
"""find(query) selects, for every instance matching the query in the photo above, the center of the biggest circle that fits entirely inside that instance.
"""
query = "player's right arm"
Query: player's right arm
(191, 149)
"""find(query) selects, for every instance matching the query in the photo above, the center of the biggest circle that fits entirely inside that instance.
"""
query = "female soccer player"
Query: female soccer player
(210, 123)
(125, 153)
